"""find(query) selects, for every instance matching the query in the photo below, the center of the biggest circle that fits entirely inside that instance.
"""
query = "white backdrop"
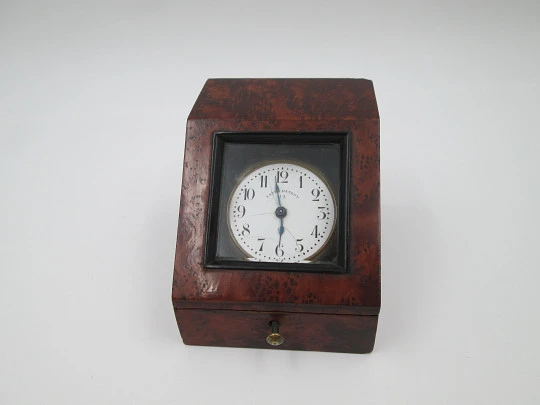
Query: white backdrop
(93, 104)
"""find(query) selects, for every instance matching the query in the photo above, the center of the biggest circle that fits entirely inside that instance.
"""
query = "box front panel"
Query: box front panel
(314, 332)
(357, 290)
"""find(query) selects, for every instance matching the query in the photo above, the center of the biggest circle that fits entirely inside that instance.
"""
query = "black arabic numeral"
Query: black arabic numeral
(264, 181)
(315, 231)
(299, 246)
(242, 211)
(262, 243)
(246, 231)
(249, 194)
(279, 251)
(315, 193)
(301, 181)
(282, 177)
(321, 212)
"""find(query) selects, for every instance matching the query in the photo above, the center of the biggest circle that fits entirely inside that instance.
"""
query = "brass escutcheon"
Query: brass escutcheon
(274, 338)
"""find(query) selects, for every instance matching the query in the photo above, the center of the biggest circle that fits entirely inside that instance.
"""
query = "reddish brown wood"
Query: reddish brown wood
(293, 105)
(349, 333)
(286, 99)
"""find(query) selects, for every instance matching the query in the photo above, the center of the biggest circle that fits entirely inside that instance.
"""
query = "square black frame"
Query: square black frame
(278, 138)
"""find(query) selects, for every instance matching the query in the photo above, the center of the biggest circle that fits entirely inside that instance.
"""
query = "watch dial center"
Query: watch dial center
(281, 212)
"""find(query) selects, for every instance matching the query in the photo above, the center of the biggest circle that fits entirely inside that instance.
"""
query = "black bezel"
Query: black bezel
(281, 138)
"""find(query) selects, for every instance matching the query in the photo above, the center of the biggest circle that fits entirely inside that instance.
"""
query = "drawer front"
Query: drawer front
(317, 332)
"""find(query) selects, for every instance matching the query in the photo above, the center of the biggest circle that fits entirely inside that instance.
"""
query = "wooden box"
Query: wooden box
(315, 311)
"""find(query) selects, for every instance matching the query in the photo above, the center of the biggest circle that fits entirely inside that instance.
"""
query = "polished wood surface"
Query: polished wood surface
(287, 105)
(316, 332)
(286, 99)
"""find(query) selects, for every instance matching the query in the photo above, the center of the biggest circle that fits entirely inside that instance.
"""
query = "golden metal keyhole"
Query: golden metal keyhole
(274, 338)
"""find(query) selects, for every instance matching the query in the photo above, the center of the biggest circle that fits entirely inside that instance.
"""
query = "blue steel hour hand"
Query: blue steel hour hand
(280, 230)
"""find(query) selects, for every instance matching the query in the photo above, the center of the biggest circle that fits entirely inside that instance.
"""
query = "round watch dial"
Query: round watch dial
(282, 212)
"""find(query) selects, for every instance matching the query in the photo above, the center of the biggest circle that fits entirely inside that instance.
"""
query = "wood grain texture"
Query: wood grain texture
(282, 105)
(316, 332)
(286, 99)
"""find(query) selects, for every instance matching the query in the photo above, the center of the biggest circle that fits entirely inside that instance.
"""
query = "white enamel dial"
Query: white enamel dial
(281, 212)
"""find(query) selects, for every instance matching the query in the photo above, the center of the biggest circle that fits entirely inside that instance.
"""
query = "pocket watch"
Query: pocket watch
(282, 212)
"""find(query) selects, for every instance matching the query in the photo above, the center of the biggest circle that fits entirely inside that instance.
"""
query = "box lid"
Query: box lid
(247, 105)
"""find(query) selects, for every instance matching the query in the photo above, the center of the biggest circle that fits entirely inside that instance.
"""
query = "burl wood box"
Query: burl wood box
(315, 308)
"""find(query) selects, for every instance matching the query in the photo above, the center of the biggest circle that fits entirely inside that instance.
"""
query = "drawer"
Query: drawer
(302, 331)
